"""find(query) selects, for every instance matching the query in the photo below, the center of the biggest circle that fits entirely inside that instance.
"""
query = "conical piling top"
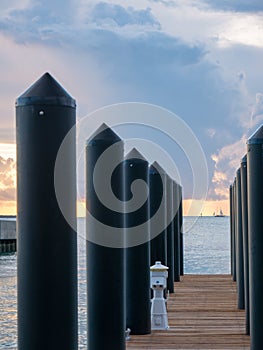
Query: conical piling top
(244, 159)
(135, 154)
(104, 134)
(46, 91)
(169, 178)
(257, 137)
(175, 182)
(156, 168)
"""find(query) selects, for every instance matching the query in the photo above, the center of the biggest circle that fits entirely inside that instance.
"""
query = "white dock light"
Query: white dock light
(159, 274)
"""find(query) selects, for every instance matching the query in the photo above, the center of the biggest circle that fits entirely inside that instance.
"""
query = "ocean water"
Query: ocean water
(207, 245)
(206, 251)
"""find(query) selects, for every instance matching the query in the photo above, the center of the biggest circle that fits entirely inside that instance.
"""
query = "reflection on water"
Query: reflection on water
(207, 250)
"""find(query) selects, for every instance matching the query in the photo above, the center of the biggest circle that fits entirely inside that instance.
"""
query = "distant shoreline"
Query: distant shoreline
(83, 217)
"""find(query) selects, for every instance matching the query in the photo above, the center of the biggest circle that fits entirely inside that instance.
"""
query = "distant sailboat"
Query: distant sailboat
(220, 215)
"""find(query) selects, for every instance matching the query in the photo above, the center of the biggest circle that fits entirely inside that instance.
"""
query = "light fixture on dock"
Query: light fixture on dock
(159, 274)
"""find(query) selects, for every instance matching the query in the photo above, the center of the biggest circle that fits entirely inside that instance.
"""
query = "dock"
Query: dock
(202, 314)
(7, 234)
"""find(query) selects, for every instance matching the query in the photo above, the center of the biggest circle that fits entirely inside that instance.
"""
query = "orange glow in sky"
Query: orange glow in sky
(209, 207)
(9, 208)
(190, 207)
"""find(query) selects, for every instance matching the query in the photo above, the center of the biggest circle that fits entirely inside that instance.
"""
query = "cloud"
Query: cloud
(59, 11)
(257, 110)
(211, 132)
(55, 22)
(7, 179)
(227, 158)
(189, 58)
(7, 5)
(142, 62)
(237, 5)
(38, 21)
(167, 3)
(113, 14)
(227, 161)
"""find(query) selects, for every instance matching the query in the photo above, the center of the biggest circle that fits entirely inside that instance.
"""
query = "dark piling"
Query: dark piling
(47, 245)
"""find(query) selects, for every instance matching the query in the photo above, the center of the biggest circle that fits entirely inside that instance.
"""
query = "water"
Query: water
(207, 245)
(207, 251)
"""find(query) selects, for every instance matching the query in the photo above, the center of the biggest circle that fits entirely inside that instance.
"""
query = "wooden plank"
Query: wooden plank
(202, 315)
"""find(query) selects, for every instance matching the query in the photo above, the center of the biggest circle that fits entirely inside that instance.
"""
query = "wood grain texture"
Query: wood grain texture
(202, 315)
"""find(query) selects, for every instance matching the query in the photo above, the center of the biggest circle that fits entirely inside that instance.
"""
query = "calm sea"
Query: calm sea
(206, 251)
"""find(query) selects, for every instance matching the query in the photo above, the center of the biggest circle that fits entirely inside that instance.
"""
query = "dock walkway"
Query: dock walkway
(202, 315)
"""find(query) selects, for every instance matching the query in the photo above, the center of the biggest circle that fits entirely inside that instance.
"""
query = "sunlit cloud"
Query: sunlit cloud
(7, 179)
(227, 161)
(245, 29)
(8, 150)
(219, 177)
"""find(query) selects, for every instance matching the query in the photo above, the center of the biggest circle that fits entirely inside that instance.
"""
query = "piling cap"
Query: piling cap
(159, 267)
(257, 137)
(134, 154)
(244, 159)
(156, 168)
(175, 182)
(169, 178)
(103, 134)
(46, 91)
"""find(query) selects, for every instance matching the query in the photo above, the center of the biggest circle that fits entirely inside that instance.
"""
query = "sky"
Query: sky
(199, 59)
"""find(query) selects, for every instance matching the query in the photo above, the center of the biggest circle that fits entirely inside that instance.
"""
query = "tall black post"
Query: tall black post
(231, 228)
(138, 314)
(255, 225)
(157, 186)
(243, 169)
(176, 227)
(234, 233)
(47, 245)
(170, 234)
(105, 256)
(239, 244)
(181, 231)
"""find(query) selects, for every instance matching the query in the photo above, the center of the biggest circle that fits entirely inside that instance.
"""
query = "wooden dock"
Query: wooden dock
(202, 315)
